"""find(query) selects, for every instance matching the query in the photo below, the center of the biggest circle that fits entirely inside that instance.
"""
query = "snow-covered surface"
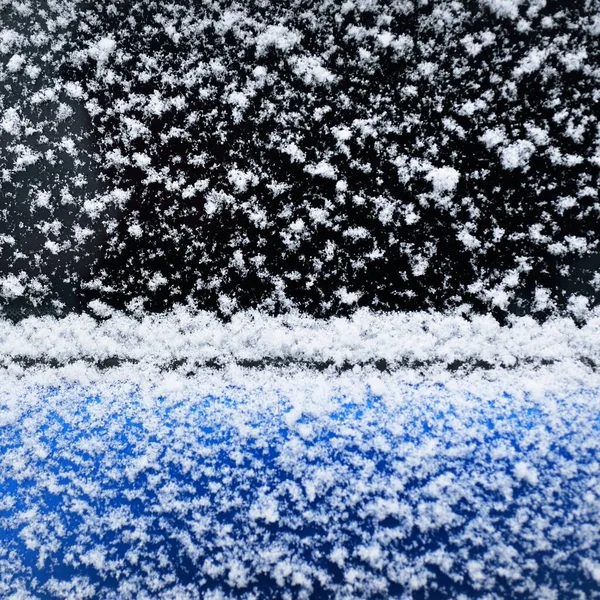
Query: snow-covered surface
(325, 288)
(389, 340)
(467, 465)
(134, 482)
(308, 155)
(167, 476)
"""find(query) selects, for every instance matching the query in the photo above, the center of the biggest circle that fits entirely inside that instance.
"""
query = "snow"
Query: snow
(139, 480)
(443, 179)
(299, 300)
(503, 8)
(310, 69)
(428, 128)
(102, 49)
(197, 338)
(322, 169)
(11, 287)
(15, 63)
(517, 154)
(276, 36)
(534, 59)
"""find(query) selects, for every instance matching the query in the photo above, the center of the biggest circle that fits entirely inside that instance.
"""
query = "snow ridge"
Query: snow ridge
(393, 339)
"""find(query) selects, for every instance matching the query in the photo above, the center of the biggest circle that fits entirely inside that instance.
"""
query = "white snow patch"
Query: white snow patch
(102, 49)
(517, 154)
(503, 8)
(321, 169)
(277, 36)
(443, 179)
(11, 286)
(15, 63)
(365, 337)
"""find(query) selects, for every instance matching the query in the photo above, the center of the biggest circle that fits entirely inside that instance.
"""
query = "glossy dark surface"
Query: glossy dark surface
(399, 82)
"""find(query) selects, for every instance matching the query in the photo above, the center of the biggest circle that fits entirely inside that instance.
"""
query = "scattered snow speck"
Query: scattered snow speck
(443, 179)
(15, 63)
(102, 50)
(517, 154)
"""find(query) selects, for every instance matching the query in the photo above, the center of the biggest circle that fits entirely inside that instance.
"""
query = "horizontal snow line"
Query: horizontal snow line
(382, 365)
(382, 340)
